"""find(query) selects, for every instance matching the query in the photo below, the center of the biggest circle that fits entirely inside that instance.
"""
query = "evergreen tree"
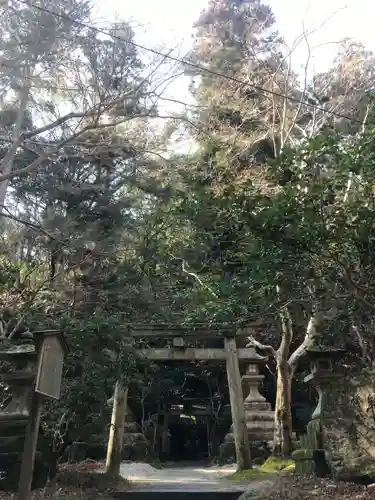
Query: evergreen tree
(243, 124)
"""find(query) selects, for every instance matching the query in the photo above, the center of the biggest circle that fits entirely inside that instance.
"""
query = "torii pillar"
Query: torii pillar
(259, 417)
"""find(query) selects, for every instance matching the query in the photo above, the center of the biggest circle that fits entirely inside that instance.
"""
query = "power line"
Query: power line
(187, 63)
(36, 78)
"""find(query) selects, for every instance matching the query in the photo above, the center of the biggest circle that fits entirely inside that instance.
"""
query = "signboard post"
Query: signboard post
(51, 353)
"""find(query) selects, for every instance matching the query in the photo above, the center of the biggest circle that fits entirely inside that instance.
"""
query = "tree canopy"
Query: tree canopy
(270, 218)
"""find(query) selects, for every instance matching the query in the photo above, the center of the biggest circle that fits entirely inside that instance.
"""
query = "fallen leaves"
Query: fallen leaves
(296, 487)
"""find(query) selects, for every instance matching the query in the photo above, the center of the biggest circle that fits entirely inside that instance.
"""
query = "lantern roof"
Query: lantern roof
(325, 353)
(254, 357)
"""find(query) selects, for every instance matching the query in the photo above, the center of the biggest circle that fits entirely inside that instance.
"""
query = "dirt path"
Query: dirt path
(188, 478)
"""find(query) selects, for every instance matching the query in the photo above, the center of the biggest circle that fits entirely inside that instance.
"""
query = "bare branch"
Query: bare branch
(35, 227)
(363, 128)
(287, 329)
(308, 342)
(194, 275)
(262, 347)
(361, 341)
(302, 99)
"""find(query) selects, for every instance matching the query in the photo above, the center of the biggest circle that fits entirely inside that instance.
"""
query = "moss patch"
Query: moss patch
(276, 464)
(247, 475)
(273, 465)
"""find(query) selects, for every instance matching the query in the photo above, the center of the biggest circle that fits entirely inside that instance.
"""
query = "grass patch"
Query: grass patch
(273, 465)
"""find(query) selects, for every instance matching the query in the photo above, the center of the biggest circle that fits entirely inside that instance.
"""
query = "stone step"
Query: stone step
(10, 444)
(258, 427)
(265, 417)
(131, 428)
(259, 406)
(13, 419)
(177, 495)
(253, 437)
(265, 437)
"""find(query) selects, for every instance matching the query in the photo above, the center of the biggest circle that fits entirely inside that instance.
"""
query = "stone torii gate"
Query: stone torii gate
(229, 353)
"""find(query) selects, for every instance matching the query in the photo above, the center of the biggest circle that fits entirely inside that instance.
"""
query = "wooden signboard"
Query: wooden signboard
(51, 352)
(48, 380)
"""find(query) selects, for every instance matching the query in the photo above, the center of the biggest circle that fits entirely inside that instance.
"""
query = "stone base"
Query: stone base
(311, 462)
(131, 428)
(260, 429)
(10, 466)
(79, 451)
(76, 452)
(135, 447)
(260, 450)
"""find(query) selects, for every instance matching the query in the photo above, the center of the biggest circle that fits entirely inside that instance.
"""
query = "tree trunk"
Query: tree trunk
(7, 162)
(116, 433)
(53, 262)
(282, 442)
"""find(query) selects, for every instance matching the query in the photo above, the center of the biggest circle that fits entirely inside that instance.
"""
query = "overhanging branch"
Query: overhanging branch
(262, 347)
(35, 227)
(308, 342)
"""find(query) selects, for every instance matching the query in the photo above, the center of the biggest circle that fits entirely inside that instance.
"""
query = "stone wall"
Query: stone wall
(350, 432)
(364, 423)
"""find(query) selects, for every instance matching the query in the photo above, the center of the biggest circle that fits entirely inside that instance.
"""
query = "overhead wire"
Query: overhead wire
(187, 62)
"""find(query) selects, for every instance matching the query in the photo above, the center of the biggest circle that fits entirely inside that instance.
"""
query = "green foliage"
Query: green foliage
(8, 272)
(73, 262)
(109, 237)
(98, 356)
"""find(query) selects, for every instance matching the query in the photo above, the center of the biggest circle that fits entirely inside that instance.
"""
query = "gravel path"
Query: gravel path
(189, 478)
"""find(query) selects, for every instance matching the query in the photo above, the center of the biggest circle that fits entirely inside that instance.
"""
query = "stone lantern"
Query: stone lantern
(258, 412)
(17, 373)
(322, 375)
(259, 417)
(21, 375)
(312, 456)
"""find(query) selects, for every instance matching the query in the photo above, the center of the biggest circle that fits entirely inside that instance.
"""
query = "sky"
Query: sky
(169, 22)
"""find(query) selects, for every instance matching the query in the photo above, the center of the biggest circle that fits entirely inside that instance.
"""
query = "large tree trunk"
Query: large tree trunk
(6, 165)
(282, 442)
(286, 367)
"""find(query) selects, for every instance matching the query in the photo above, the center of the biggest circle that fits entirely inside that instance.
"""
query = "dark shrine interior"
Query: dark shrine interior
(192, 402)
(189, 441)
